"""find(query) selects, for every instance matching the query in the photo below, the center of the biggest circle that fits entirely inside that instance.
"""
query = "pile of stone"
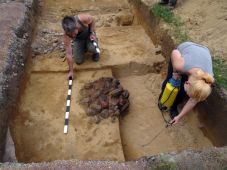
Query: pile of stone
(104, 98)
(46, 42)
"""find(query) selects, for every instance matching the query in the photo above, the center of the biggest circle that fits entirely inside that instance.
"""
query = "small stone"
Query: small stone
(125, 94)
(55, 44)
(55, 40)
(116, 92)
(158, 50)
(91, 112)
(104, 114)
(62, 55)
(96, 107)
(123, 108)
(85, 101)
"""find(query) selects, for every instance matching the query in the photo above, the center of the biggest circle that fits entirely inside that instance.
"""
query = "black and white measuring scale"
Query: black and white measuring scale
(68, 99)
(68, 103)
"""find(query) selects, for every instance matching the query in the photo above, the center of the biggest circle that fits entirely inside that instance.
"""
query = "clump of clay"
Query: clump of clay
(104, 98)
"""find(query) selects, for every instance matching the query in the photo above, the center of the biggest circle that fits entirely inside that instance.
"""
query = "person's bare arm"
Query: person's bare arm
(69, 57)
(90, 22)
(177, 63)
(186, 109)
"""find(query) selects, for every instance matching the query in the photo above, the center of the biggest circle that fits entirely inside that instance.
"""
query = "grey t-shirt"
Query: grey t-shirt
(196, 56)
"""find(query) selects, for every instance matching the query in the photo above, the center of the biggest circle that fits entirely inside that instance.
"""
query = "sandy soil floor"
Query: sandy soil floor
(38, 126)
(206, 21)
(143, 130)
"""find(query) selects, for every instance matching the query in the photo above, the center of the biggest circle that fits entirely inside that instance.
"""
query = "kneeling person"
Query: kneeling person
(81, 30)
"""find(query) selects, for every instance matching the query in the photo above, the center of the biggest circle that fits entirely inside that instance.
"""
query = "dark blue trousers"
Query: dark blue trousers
(171, 2)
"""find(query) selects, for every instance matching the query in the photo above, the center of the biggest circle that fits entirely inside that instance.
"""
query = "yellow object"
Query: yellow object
(169, 95)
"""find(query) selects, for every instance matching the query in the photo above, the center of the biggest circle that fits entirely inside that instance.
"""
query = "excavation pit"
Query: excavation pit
(37, 124)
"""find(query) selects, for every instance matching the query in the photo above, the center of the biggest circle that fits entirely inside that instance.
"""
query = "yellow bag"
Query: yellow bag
(169, 95)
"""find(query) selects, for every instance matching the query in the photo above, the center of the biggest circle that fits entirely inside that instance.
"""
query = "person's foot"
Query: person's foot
(173, 113)
(163, 2)
(161, 108)
(171, 6)
(95, 57)
(78, 63)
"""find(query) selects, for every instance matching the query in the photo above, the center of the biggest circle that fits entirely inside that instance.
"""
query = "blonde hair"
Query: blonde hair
(200, 85)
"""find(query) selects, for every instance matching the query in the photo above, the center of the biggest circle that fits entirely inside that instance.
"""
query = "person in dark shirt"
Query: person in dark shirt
(81, 30)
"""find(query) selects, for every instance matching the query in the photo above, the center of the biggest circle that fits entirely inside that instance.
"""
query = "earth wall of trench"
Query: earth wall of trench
(16, 27)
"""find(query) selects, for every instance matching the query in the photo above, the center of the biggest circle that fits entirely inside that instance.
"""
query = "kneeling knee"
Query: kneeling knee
(79, 62)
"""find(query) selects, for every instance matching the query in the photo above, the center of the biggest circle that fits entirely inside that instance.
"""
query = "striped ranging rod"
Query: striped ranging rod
(68, 101)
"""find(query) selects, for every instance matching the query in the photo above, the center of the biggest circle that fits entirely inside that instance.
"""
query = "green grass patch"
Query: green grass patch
(220, 72)
(178, 28)
(166, 165)
(163, 12)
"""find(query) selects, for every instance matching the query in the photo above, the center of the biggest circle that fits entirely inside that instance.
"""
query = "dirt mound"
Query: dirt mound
(104, 98)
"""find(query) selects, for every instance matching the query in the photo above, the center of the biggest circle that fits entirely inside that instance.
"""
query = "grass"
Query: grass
(178, 28)
(165, 165)
(164, 13)
(220, 72)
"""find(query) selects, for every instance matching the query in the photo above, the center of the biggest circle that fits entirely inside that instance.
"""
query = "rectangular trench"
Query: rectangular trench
(37, 127)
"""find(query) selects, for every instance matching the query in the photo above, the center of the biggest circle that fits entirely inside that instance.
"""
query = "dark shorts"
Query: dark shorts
(80, 47)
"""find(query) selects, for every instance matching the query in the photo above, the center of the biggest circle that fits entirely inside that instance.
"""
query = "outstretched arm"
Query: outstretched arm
(69, 56)
(186, 109)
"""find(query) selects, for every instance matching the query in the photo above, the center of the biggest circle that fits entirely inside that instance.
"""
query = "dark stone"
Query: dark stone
(104, 98)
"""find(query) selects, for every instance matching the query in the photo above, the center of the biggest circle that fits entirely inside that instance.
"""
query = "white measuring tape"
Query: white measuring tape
(68, 102)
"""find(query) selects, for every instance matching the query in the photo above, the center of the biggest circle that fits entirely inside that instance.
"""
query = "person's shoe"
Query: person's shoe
(79, 62)
(95, 57)
(162, 108)
(173, 113)
(163, 2)
(171, 6)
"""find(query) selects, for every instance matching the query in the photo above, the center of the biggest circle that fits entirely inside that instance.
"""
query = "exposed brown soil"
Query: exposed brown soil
(206, 21)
